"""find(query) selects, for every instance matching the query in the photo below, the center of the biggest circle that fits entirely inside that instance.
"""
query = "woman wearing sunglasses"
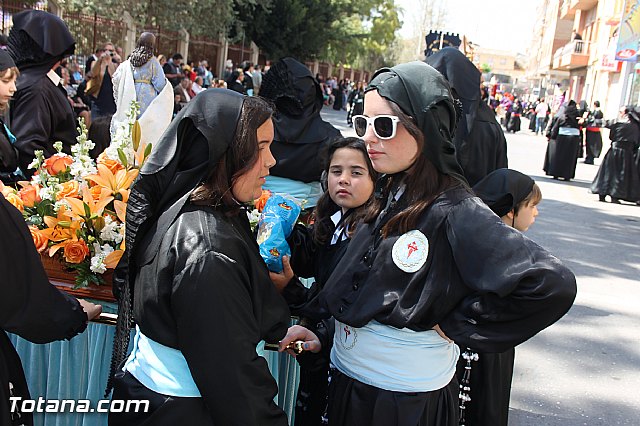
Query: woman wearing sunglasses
(430, 266)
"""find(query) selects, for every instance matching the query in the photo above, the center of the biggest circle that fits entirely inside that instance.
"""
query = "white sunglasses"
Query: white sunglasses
(384, 126)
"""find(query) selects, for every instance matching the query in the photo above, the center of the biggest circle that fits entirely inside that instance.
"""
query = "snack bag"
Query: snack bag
(276, 222)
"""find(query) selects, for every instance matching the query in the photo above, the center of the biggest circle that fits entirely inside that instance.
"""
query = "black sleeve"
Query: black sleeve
(30, 306)
(32, 124)
(8, 154)
(303, 251)
(218, 330)
(518, 288)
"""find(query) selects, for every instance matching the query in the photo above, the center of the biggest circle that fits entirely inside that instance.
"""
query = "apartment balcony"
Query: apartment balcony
(574, 54)
(566, 12)
(582, 4)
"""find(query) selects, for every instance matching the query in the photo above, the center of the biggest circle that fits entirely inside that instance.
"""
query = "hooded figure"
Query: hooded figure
(480, 143)
(300, 132)
(9, 171)
(191, 261)
(40, 111)
(564, 143)
(618, 175)
(503, 190)
(430, 254)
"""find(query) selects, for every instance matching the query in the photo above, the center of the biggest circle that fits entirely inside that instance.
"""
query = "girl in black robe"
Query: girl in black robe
(316, 250)
(564, 143)
(355, 101)
(29, 307)
(617, 176)
(9, 172)
(202, 297)
(431, 263)
(514, 121)
(40, 111)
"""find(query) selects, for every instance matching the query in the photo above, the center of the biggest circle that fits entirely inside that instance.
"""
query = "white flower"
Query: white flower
(47, 193)
(97, 260)
(111, 231)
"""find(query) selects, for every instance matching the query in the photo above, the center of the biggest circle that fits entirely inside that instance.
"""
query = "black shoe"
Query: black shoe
(601, 198)
(615, 201)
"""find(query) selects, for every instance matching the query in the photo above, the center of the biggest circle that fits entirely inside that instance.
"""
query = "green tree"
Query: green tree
(485, 68)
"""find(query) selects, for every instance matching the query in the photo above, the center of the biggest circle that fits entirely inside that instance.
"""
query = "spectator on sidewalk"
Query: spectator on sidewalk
(172, 69)
(100, 87)
(541, 115)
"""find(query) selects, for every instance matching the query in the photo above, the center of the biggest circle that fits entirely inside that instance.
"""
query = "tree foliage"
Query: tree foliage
(359, 33)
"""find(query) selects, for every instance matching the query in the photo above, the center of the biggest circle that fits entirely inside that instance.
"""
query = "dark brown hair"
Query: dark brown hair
(237, 159)
(534, 198)
(324, 227)
(423, 184)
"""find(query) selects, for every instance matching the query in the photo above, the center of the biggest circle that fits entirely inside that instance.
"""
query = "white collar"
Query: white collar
(55, 78)
(339, 234)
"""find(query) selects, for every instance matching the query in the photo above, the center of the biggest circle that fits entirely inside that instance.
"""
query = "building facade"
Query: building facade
(572, 55)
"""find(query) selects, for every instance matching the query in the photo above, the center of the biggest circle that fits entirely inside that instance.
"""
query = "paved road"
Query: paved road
(583, 370)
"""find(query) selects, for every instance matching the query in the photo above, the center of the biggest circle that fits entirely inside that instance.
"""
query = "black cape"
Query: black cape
(29, 307)
(618, 175)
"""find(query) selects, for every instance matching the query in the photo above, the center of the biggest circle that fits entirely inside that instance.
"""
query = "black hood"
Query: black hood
(188, 150)
(503, 189)
(38, 40)
(423, 93)
(464, 78)
(298, 99)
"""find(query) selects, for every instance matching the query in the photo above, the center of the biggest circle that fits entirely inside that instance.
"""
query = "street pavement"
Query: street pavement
(583, 370)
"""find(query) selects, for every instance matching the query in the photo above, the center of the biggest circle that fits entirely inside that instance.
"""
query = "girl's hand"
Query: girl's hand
(280, 280)
(441, 333)
(297, 332)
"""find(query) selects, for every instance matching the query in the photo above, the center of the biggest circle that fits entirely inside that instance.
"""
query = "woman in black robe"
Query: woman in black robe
(593, 134)
(564, 143)
(415, 275)
(202, 297)
(40, 111)
(29, 307)
(514, 121)
(355, 101)
(618, 175)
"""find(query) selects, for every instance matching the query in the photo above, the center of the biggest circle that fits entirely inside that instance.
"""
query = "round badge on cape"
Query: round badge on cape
(410, 251)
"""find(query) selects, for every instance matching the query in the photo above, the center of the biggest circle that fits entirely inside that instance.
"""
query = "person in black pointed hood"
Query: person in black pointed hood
(300, 132)
(40, 111)
(430, 265)
(480, 143)
(192, 261)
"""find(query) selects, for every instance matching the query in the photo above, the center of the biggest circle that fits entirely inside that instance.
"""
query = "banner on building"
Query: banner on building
(437, 40)
(629, 32)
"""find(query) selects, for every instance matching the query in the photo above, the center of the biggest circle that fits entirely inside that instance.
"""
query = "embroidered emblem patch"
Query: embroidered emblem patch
(348, 336)
(410, 251)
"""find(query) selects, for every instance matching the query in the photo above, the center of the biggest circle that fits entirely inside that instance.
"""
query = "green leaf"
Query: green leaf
(123, 158)
(147, 151)
(87, 210)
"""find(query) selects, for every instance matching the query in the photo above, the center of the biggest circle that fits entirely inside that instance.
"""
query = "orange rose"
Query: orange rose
(39, 239)
(15, 199)
(69, 189)
(76, 251)
(112, 165)
(29, 195)
(57, 163)
(260, 202)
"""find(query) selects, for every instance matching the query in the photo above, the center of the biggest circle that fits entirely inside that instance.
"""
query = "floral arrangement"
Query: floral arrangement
(75, 206)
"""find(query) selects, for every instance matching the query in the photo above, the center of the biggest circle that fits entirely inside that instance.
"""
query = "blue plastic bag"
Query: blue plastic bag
(278, 218)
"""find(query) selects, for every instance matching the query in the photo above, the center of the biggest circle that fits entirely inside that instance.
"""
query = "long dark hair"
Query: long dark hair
(326, 207)
(423, 184)
(237, 160)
